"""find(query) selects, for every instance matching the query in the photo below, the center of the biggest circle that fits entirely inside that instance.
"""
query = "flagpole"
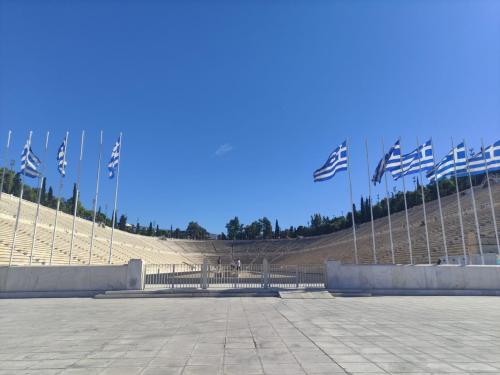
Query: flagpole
(459, 203)
(406, 205)
(77, 194)
(439, 205)
(95, 200)
(491, 196)
(474, 206)
(58, 200)
(423, 206)
(42, 178)
(370, 202)
(388, 207)
(20, 201)
(116, 199)
(6, 156)
(352, 207)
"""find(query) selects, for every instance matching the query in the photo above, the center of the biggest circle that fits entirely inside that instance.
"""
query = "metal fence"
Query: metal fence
(227, 276)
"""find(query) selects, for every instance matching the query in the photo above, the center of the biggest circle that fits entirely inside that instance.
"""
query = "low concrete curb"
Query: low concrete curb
(188, 293)
(413, 292)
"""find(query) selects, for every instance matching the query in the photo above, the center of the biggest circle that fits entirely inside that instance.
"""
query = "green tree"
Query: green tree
(16, 186)
(253, 231)
(196, 231)
(150, 229)
(8, 182)
(50, 198)
(122, 223)
(43, 193)
(267, 228)
(234, 228)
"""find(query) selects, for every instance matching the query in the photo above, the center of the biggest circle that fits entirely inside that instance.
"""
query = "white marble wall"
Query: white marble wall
(351, 276)
(72, 278)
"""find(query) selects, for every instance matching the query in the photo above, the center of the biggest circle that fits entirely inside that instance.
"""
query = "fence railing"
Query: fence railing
(230, 276)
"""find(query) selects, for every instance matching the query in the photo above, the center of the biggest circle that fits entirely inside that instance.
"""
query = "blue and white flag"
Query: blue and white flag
(389, 162)
(61, 158)
(30, 162)
(420, 159)
(488, 158)
(454, 162)
(115, 159)
(337, 161)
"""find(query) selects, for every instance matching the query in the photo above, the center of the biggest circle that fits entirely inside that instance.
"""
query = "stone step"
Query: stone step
(188, 293)
(305, 294)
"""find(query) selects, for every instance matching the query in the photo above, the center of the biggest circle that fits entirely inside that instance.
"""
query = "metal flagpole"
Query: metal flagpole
(474, 206)
(6, 156)
(423, 206)
(116, 199)
(370, 202)
(75, 203)
(439, 205)
(352, 207)
(95, 200)
(458, 202)
(406, 205)
(491, 197)
(42, 179)
(19, 204)
(58, 201)
(388, 207)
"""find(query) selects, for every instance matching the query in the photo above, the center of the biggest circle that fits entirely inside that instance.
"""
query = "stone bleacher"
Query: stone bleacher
(337, 246)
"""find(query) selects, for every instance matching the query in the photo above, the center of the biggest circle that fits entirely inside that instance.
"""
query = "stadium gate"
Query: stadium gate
(225, 276)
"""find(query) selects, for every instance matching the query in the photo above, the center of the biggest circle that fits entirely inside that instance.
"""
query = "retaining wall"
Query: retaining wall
(72, 278)
(408, 277)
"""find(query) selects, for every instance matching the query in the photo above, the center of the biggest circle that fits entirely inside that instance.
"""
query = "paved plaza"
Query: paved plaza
(377, 335)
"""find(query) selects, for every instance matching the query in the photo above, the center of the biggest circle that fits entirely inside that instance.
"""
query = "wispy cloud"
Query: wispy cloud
(223, 149)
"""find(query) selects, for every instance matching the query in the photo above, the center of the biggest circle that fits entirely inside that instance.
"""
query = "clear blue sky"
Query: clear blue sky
(227, 107)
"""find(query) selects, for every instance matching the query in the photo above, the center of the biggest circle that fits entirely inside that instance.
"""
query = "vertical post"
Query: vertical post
(116, 199)
(41, 178)
(297, 276)
(6, 156)
(204, 274)
(95, 200)
(439, 205)
(173, 276)
(423, 207)
(265, 271)
(20, 201)
(370, 202)
(61, 180)
(458, 202)
(75, 203)
(388, 208)
(406, 204)
(352, 207)
(474, 206)
(491, 196)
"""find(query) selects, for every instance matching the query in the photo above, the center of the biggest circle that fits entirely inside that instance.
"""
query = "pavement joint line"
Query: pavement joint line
(308, 338)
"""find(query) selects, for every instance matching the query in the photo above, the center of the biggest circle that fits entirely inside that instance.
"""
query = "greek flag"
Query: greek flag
(420, 159)
(454, 161)
(486, 158)
(30, 162)
(389, 162)
(337, 161)
(61, 158)
(115, 159)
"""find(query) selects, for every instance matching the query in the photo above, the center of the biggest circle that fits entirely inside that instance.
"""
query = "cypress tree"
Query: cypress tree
(43, 193)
